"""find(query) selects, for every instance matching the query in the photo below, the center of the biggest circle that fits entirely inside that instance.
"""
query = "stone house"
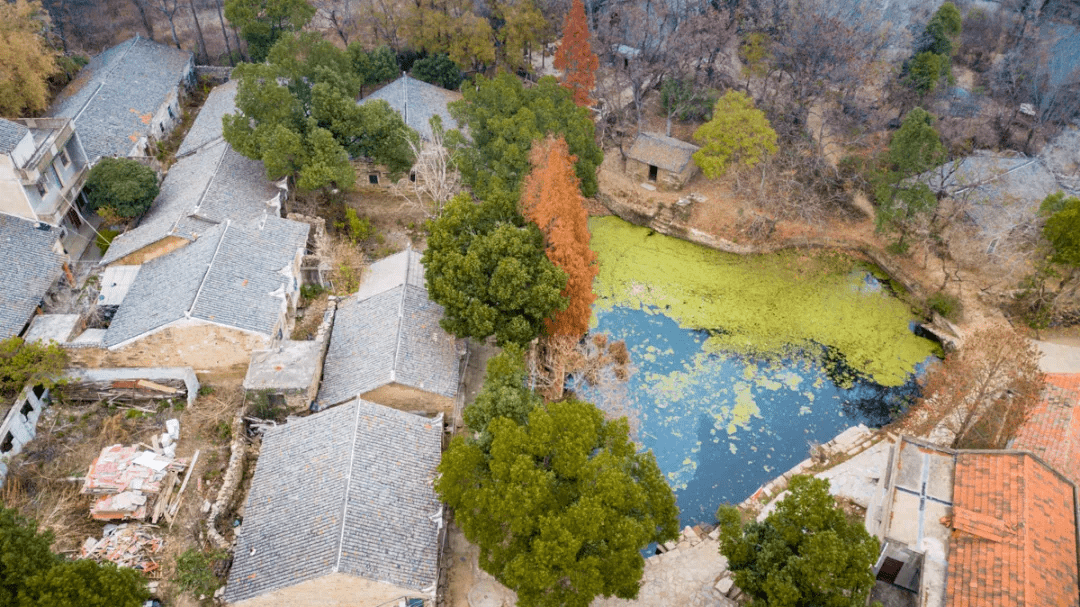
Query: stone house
(991, 528)
(664, 161)
(209, 304)
(43, 167)
(209, 184)
(342, 512)
(417, 102)
(126, 97)
(33, 261)
(387, 346)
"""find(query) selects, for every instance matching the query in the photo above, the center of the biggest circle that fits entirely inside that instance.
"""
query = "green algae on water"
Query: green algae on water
(763, 305)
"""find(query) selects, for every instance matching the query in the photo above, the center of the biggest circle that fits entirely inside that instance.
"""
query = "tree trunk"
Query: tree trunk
(225, 33)
(147, 23)
(198, 32)
(175, 39)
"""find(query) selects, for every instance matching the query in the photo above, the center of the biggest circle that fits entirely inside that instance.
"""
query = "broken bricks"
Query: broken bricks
(127, 545)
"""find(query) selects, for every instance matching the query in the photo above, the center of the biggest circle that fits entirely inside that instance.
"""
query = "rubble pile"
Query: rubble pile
(127, 545)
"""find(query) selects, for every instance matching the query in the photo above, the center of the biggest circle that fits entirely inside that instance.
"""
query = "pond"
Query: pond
(740, 362)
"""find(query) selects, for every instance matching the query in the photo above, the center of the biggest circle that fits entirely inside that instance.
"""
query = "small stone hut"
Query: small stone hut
(665, 161)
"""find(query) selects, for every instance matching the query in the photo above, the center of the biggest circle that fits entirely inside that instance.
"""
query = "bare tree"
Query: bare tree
(224, 32)
(384, 20)
(168, 8)
(198, 32)
(148, 23)
(433, 180)
(339, 14)
(982, 393)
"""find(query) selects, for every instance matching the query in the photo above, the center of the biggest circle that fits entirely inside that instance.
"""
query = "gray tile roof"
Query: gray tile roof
(207, 125)
(11, 133)
(114, 97)
(347, 490)
(389, 333)
(29, 268)
(232, 275)
(215, 184)
(661, 151)
(417, 101)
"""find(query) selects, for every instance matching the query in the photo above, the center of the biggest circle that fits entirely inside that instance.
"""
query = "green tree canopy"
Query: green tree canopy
(124, 185)
(1062, 228)
(439, 70)
(805, 554)
(32, 576)
(373, 67)
(562, 506)
(932, 60)
(24, 362)
(298, 114)
(262, 22)
(737, 133)
(914, 149)
(504, 119)
(504, 394)
(489, 272)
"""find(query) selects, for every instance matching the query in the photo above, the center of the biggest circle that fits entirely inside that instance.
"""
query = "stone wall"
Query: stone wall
(333, 590)
(200, 346)
(665, 180)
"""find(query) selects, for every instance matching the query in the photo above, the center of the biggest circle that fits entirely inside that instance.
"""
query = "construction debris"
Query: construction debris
(127, 545)
(132, 482)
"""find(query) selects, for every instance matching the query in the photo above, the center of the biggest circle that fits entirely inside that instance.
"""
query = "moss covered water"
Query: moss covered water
(738, 358)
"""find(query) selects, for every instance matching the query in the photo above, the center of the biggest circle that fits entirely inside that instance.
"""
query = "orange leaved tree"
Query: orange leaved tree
(575, 56)
(551, 198)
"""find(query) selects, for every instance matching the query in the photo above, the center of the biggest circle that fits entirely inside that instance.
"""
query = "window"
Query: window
(39, 390)
(652, 172)
(8, 444)
(171, 115)
(412, 176)
(64, 158)
(27, 409)
(54, 178)
(373, 178)
(42, 189)
(889, 570)
(162, 127)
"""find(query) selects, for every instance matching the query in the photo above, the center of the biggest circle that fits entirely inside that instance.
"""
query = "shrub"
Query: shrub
(105, 238)
(123, 184)
(195, 571)
(22, 363)
(946, 304)
(439, 70)
(358, 228)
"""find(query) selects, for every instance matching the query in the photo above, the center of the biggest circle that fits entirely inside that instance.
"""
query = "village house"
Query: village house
(126, 97)
(387, 346)
(209, 184)
(42, 171)
(342, 512)
(208, 304)
(32, 261)
(417, 102)
(966, 528)
(665, 161)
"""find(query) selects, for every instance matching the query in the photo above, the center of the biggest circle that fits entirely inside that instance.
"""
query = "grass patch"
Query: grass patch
(946, 304)
(105, 238)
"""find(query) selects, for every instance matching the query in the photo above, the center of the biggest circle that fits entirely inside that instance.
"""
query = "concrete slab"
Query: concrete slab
(52, 327)
(856, 479)
(1058, 358)
(291, 366)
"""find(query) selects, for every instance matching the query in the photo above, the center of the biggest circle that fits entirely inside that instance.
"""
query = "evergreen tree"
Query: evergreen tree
(439, 70)
(738, 133)
(489, 272)
(1062, 228)
(914, 149)
(805, 554)
(262, 22)
(124, 185)
(26, 61)
(504, 118)
(297, 113)
(932, 60)
(552, 200)
(504, 394)
(373, 67)
(575, 56)
(560, 507)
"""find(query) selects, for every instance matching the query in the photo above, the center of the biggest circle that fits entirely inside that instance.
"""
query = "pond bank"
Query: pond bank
(672, 220)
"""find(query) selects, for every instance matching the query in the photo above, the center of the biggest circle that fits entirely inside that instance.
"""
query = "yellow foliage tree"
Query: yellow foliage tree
(451, 27)
(26, 61)
(737, 133)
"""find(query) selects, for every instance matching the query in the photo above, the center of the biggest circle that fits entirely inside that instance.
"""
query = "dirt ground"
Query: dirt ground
(70, 437)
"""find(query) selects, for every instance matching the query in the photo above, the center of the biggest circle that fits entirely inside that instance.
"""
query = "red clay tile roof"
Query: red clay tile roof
(1053, 430)
(1034, 516)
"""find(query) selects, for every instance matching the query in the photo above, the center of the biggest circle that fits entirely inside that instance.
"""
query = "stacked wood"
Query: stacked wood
(124, 390)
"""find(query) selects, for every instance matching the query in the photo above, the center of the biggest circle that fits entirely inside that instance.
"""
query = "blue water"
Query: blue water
(722, 425)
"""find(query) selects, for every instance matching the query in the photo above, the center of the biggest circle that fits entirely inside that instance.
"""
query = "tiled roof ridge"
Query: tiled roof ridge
(206, 189)
(105, 76)
(202, 283)
(401, 316)
(348, 485)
